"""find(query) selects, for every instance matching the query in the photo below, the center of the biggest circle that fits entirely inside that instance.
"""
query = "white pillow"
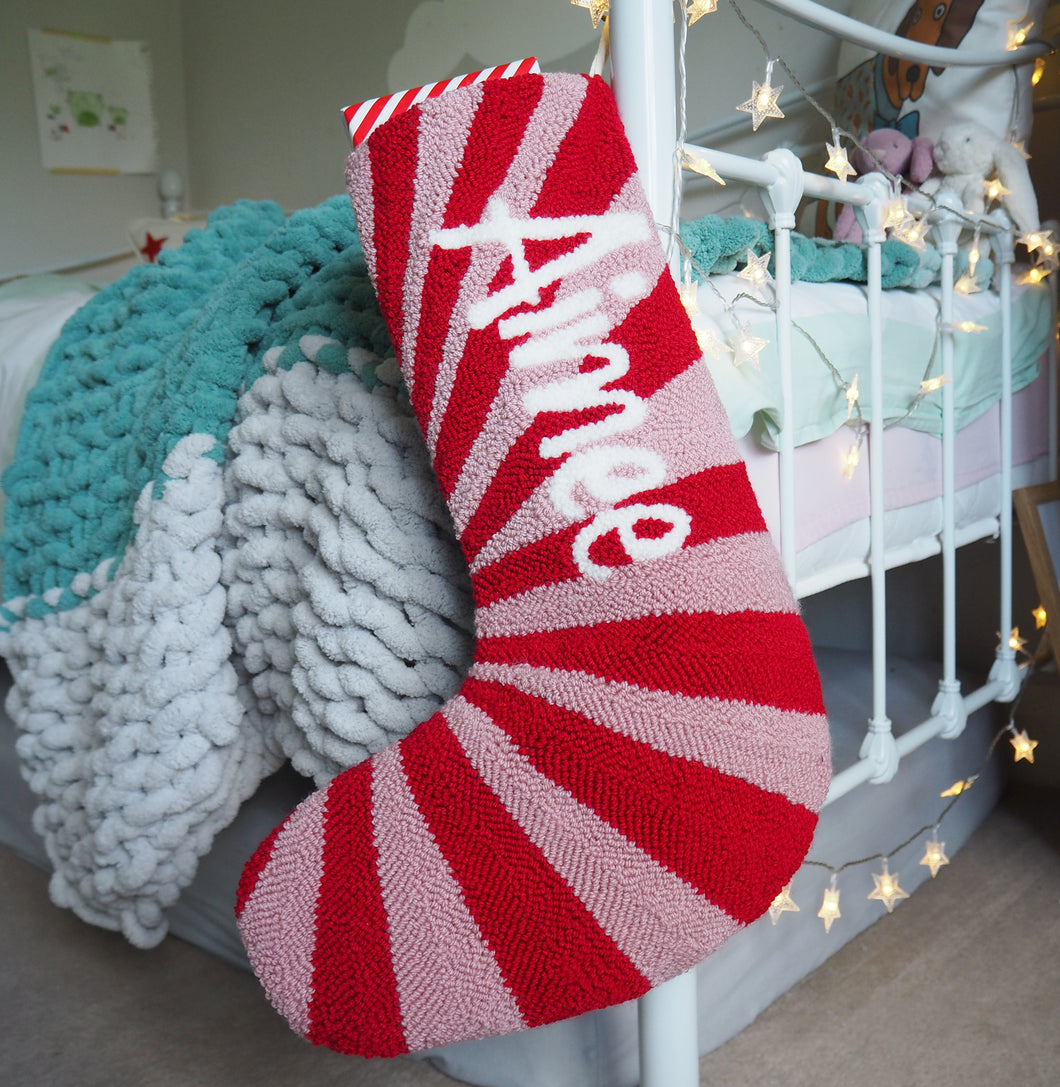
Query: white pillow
(151, 236)
(876, 91)
(32, 314)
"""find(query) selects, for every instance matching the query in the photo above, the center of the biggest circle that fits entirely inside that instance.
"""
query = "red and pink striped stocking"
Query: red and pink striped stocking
(632, 769)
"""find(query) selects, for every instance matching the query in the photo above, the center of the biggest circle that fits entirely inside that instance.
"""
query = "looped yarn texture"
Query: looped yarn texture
(222, 545)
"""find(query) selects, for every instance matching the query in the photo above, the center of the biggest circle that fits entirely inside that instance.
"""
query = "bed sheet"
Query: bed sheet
(832, 510)
(830, 345)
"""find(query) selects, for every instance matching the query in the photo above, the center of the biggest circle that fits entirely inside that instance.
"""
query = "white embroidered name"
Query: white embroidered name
(572, 329)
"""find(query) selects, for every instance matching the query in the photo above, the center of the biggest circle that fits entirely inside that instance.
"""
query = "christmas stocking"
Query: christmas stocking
(632, 769)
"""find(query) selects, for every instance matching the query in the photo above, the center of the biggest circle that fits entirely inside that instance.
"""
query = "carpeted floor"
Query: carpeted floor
(960, 985)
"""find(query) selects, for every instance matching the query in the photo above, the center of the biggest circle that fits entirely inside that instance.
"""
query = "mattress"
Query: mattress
(830, 349)
(830, 345)
(832, 510)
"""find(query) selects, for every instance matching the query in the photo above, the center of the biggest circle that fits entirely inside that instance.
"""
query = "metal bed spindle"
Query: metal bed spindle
(643, 79)
(948, 704)
(1005, 670)
(878, 749)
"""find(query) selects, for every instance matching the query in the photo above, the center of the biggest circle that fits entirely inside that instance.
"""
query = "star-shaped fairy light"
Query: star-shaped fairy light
(597, 9)
(829, 910)
(994, 189)
(934, 855)
(913, 232)
(897, 214)
(886, 889)
(1040, 617)
(838, 162)
(699, 165)
(1034, 239)
(1014, 640)
(969, 326)
(958, 787)
(1048, 258)
(783, 903)
(1023, 745)
(747, 347)
(698, 8)
(689, 293)
(852, 396)
(763, 100)
(1034, 276)
(710, 344)
(966, 284)
(756, 271)
(933, 384)
(851, 459)
(973, 255)
(1018, 31)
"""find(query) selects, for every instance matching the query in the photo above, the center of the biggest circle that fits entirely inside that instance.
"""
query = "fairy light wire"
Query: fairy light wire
(1006, 729)
(682, 129)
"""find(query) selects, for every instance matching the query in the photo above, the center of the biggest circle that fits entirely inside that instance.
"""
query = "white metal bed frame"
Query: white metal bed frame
(643, 77)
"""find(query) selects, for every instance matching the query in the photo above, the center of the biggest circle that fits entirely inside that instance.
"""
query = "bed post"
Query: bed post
(879, 747)
(1005, 670)
(642, 77)
(948, 705)
(782, 198)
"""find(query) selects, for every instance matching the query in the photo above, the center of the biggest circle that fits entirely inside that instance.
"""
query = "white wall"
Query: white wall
(267, 79)
(48, 219)
(724, 57)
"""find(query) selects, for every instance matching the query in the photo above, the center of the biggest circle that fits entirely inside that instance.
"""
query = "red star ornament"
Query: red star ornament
(152, 247)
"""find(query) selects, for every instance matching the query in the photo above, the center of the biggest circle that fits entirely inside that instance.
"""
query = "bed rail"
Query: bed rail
(643, 76)
(850, 30)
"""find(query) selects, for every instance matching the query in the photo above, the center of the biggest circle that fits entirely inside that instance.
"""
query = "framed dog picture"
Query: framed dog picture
(1038, 510)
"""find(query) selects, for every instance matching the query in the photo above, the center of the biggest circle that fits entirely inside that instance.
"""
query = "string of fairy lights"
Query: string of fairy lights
(744, 346)
(887, 889)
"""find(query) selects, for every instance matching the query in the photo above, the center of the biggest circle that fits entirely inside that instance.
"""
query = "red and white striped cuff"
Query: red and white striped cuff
(363, 118)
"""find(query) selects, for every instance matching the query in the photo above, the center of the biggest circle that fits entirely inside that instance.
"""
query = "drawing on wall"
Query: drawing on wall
(93, 102)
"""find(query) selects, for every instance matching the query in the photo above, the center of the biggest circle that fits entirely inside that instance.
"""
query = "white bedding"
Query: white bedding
(32, 313)
(835, 316)
(832, 536)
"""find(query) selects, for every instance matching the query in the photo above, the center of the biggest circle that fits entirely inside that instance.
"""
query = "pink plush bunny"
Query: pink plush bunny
(896, 153)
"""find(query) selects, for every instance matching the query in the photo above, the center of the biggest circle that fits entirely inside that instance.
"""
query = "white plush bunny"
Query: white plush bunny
(966, 154)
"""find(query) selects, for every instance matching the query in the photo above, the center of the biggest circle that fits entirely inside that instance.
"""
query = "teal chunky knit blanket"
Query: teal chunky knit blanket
(223, 547)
